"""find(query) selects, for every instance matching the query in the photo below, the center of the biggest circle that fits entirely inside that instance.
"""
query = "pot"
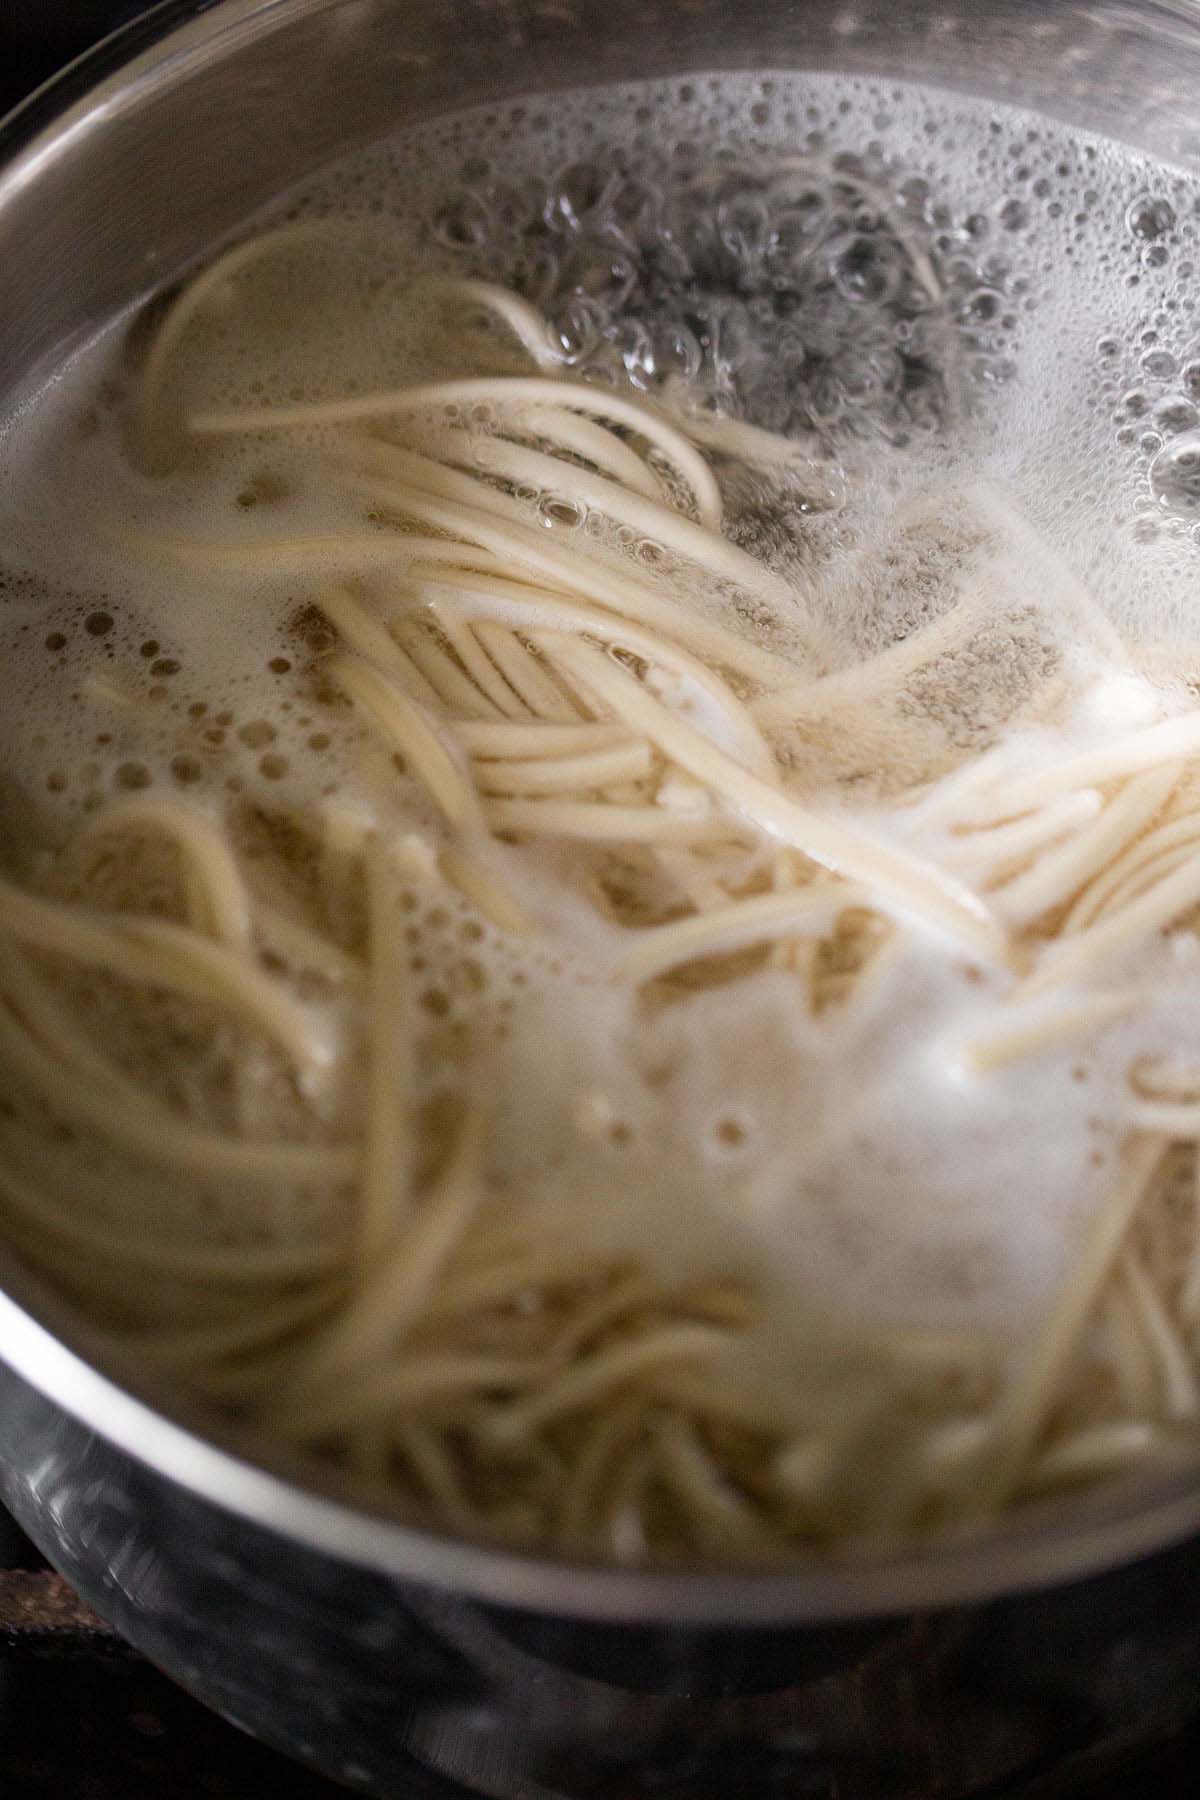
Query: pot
(399, 1661)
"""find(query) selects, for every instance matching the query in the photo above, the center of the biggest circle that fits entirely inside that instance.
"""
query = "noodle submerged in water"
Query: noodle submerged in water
(620, 959)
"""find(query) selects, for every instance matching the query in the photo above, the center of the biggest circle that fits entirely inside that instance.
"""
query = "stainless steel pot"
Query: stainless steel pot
(402, 1662)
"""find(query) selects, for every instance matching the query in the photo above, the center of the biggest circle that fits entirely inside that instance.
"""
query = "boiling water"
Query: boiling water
(928, 293)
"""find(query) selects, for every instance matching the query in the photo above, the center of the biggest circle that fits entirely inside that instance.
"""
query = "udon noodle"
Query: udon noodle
(534, 618)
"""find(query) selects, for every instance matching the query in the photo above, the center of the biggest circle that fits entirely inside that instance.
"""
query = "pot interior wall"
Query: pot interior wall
(166, 158)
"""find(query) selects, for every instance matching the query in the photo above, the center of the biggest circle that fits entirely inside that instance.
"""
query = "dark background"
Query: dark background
(81, 1716)
(39, 36)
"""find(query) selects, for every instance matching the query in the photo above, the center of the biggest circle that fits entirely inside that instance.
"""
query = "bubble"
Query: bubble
(631, 341)
(674, 352)
(1014, 215)
(866, 268)
(1175, 414)
(984, 305)
(1150, 216)
(1160, 364)
(461, 223)
(577, 327)
(796, 231)
(559, 514)
(578, 191)
(744, 227)
(1175, 474)
(599, 273)
(635, 206)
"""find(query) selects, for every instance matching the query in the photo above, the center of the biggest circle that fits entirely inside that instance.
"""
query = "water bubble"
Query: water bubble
(1175, 414)
(1149, 216)
(558, 513)
(535, 274)
(1190, 377)
(1014, 215)
(914, 192)
(865, 375)
(866, 268)
(462, 223)
(1175, 474)
(756, 284)
(635, 207)
(982, 306)
(577, 327)
(1159, 363)
(599, 272)
(743, 225)
(795, 234)
(676, 351)
(633, 344)
(578, 191)
(825, 399)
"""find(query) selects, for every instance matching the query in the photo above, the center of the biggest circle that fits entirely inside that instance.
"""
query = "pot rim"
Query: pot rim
(48, 1347)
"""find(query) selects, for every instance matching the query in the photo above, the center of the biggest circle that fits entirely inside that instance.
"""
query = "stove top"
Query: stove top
(84, 1717)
